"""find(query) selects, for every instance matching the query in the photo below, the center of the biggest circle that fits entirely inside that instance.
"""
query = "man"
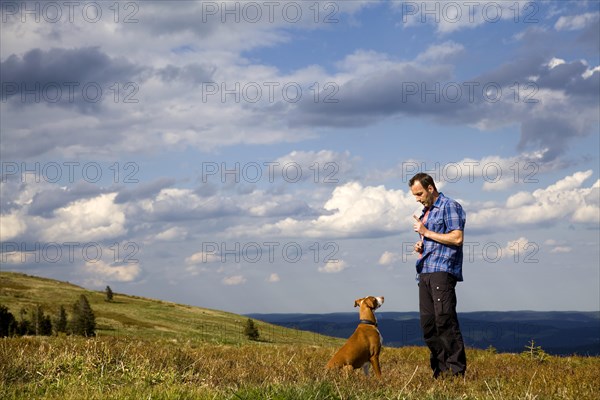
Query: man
(439, 267)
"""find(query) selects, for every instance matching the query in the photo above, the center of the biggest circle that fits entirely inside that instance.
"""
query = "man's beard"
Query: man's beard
(428, 201)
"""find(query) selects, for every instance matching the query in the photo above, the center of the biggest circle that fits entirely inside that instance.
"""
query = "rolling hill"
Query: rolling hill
(133, 316)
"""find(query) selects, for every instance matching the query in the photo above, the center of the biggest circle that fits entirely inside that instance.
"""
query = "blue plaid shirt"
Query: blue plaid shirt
(444, 216)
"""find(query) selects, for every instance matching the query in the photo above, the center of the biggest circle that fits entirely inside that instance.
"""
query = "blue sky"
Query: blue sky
(257, 160)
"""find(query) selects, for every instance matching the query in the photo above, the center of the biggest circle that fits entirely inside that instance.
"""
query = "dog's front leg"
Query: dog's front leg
(375, 365)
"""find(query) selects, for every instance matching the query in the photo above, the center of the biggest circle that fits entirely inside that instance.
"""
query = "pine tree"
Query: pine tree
(60, 323)
(251, 331)
(42, 325)
(7, 322)
(83, 321)
(46, 326)
(24, 326)
(109, 294)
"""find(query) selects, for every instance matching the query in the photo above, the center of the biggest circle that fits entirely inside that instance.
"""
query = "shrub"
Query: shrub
(534, 352)
(109, 293)
(251, 331)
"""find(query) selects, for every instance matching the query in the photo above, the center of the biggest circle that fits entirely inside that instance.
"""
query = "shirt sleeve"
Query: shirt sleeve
(454, 216)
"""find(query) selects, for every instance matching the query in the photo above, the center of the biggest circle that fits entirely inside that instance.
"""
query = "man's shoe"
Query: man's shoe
(447, 374)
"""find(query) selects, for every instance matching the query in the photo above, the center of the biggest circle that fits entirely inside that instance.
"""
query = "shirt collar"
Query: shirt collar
(439, 200)
(436, 204)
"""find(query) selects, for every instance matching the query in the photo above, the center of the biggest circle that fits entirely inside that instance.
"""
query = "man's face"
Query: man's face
(422, 195)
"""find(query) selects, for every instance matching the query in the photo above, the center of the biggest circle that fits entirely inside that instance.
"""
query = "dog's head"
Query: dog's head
(371, 302)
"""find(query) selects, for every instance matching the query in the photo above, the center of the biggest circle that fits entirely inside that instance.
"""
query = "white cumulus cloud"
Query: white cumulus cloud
(100, 271)
(354, 210)
(11, 225)
(85, 220)
(333, 267)
(388, 258)
(575, 22)
(566, 199)
(174, 233)
(234, 280)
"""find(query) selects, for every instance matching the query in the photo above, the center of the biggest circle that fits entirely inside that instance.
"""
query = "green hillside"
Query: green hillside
(150, 349)
(138, 317)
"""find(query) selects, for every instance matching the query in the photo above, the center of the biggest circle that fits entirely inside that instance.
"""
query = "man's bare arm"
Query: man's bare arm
(452, 238)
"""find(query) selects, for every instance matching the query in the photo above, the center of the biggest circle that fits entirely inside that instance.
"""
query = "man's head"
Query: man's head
(423, 188)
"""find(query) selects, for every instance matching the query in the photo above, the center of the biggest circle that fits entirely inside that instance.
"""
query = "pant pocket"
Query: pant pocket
(443, 295)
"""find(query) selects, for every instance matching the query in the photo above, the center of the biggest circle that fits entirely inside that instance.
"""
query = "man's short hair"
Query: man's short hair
(425, 179)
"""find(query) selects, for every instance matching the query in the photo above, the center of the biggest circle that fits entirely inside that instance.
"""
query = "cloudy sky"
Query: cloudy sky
(254, 156)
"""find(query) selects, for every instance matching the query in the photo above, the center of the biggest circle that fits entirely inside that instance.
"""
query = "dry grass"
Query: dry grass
(125, 368)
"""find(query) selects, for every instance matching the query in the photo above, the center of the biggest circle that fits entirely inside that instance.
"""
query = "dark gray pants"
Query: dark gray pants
(439, 322)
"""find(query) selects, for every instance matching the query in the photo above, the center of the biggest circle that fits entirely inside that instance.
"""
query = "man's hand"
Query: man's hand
(452, 238)
(419, 227)
(419, 247)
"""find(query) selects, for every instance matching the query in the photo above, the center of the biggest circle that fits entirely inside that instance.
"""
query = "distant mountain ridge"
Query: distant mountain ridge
(557, 332)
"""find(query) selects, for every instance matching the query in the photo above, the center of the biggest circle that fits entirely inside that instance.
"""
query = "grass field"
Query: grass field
(153, 359)
(125, 368)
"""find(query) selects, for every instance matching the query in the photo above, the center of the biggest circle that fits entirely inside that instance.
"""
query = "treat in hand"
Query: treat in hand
(419, 247)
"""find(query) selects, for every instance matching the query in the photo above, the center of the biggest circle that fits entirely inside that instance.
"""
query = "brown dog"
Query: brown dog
(364, 345)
